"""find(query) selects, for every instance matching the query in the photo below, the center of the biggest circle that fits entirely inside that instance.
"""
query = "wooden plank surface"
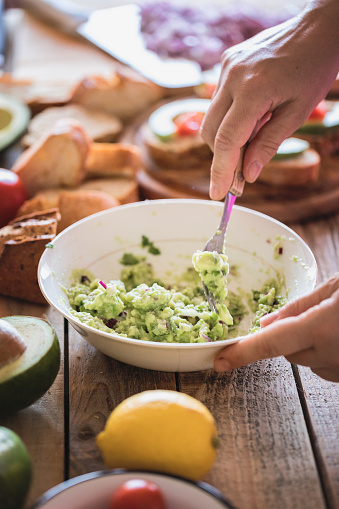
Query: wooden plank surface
(321, 397)
(41, 426)
(265, 458)
(97, 384)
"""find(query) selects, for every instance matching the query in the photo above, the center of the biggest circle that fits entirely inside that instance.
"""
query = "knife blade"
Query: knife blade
(116, 31)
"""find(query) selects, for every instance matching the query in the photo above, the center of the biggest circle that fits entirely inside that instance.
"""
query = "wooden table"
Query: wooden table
(278, 424)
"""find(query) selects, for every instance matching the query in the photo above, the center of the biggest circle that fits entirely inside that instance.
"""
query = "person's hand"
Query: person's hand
(267, 89)
(305, 331)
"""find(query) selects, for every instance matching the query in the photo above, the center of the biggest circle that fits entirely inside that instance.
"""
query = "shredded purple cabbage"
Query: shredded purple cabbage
(201, 34)
(103, 284)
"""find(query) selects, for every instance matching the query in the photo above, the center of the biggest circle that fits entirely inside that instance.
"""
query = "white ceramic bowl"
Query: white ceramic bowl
(178, 228)
(95, 490)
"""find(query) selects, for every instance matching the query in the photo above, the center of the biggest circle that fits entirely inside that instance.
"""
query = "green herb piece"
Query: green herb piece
(145, 242)
(131, 259)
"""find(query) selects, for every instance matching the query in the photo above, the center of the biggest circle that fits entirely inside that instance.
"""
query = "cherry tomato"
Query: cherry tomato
(206, 90)
(12, 195)
(319, 111)
(188, 124)
(138, 494)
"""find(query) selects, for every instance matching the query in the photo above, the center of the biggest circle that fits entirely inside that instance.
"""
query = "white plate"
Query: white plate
(178, 228)
(95, 490)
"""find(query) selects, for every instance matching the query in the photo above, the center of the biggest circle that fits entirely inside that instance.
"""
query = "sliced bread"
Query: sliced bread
(22, 243)
(56, 160)
(100, 126)
(72, 205)
(108, 159)
(299, 171)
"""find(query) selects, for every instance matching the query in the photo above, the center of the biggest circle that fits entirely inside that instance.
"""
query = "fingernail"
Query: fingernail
(221, 364)
(253, 171)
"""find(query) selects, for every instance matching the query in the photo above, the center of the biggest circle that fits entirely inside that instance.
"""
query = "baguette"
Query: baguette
(108, 159)
(22, 243)
(299, 171)
(100, 126)
(124, 95)
(56, 160)
(72, 205)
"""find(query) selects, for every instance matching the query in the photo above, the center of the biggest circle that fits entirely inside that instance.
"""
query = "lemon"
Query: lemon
(15, 470)
(160, 430)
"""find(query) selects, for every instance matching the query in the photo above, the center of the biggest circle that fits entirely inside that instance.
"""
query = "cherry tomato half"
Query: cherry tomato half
(188, 124)
(138, 494)
(319, 111)
(12, 195)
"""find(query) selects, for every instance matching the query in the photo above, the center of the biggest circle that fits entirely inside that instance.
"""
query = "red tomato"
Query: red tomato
(12, 195)
(319, 111)
(138, 494)
(188, 123)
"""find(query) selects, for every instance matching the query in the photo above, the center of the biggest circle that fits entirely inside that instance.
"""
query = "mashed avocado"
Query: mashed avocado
(140, 306)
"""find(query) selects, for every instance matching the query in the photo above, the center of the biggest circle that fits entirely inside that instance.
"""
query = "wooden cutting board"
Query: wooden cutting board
(284, 204)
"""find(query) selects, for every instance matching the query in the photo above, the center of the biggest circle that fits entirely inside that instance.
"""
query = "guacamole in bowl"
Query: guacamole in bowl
(124, 280)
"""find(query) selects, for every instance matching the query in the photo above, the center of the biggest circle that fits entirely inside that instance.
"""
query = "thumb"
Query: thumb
(267, 140)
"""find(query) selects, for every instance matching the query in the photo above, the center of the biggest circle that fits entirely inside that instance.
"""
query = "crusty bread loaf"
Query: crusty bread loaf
(301, 170)
(100, 126)
(56, 160)
(22, 243)
(108, 159)
(124, 95)
(72, 205)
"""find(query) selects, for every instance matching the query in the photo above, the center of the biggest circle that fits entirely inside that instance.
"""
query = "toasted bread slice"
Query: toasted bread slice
(56, 160)
(108, 159)
(124, 94)
(99, 125)
(298, 171)
(22, 243)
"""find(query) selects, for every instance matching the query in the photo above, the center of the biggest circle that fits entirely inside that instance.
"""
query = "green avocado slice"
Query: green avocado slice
(290, 148)
(161, 120)
(26, 379)
(14, 117)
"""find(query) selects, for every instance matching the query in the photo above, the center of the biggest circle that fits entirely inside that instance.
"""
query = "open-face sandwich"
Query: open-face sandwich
(294, 165)
(171, 134)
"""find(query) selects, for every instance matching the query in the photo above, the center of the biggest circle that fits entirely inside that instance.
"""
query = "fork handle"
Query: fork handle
(238, 183)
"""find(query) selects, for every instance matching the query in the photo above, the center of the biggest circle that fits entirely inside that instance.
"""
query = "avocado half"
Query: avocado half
(24, 380)
(14, 117)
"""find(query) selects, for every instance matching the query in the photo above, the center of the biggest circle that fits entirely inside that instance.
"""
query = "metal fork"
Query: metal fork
(217, 242)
